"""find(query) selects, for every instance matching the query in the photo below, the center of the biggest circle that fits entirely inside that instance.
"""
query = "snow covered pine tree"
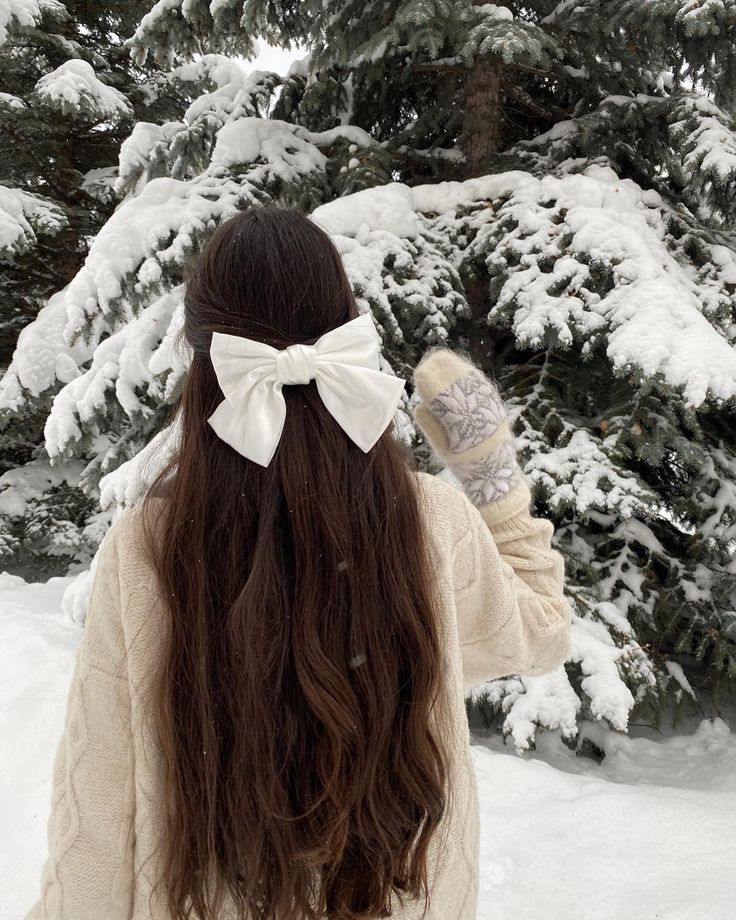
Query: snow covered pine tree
(549, 185)
(70, 94)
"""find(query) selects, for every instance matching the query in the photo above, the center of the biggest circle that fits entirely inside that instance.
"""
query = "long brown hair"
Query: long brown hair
(303, 666)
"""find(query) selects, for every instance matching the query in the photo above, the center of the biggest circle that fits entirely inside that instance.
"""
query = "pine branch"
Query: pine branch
(524, 99)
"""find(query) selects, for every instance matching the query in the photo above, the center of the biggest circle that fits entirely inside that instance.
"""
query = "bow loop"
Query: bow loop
(344, 362)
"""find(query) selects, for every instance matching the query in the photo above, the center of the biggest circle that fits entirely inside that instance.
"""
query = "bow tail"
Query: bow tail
(253, 426)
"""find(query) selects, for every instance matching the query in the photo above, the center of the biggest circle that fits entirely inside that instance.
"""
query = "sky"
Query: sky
(270, 58)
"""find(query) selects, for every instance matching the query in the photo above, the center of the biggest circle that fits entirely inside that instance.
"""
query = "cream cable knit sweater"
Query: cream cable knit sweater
(502, 612)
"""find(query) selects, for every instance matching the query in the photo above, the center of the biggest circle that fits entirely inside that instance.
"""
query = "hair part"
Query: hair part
(303, 666)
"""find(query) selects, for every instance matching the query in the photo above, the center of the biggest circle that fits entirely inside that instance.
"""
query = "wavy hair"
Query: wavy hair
(303, 667)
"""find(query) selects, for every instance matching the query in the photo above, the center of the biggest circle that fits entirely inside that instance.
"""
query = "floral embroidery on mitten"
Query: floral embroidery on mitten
(470, 410)
(491, 477)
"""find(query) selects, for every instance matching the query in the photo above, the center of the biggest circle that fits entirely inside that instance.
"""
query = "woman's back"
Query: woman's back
(267, 713)
(487, 618)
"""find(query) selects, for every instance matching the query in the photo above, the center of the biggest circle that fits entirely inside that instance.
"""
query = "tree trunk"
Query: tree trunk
(482, 122)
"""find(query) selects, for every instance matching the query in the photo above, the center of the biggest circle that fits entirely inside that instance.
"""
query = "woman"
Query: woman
(266, 717)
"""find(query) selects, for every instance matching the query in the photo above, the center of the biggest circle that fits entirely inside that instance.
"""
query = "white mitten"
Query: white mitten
(463, 417)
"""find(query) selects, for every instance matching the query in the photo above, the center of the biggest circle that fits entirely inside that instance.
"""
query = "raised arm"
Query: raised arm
(88, 870)
(513, 617)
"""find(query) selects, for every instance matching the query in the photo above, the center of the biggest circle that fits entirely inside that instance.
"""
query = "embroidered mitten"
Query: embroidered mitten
(463, 417)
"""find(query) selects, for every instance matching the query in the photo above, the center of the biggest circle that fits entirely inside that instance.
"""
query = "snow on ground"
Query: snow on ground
(649, 834)
(37, 647)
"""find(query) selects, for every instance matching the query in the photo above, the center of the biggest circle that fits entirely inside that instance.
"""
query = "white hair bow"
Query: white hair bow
(344, 362)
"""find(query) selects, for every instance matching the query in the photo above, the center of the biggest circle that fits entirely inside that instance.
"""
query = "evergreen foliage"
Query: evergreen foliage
(69, 94)
(547, 185)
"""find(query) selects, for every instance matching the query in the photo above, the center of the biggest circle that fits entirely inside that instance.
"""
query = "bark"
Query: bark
(482, 122)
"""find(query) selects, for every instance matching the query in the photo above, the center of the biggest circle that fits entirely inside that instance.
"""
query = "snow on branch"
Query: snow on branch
(14, 13)
(181, 149)
(120, 363)
(140, 253)
(22, 216)
(580, 259)
(180, 29)
(587, 259)
(42, 357)
(497, 32)
(696, 17)
(707, 138)
(74, 89)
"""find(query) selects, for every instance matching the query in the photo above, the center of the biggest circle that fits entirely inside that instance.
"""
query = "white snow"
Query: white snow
(22, 214)
(42, 356)
(141, 40)
(121, 362)
(237, 94)
(20, 485)
(218, 68)
(74, 88)
(676, 671)
(136, 153)
(648, 834)
(128, 249)
(245, 140)
(574, 474)
(653, 317)
(14, 103)
(100, 182)
(388, 207)
(656, 317)
(299, 67)
(710, 143)
(126, 483)
(491, 11)
(15, 13)
(357, 136)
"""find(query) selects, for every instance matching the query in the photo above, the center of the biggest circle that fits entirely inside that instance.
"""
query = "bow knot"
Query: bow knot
(296, 364)
(344, 362)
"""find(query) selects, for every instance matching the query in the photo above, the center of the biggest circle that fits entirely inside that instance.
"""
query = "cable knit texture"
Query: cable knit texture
(502, 611)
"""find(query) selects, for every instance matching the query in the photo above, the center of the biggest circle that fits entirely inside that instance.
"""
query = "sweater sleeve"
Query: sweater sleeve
(513, 617)
(90, 833)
